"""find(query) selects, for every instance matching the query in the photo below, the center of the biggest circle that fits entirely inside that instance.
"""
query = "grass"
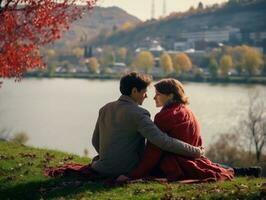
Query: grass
(21, 177)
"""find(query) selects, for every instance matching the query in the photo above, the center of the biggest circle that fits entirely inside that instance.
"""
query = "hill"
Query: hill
(97, 20)
(21, 178)
(248, 16)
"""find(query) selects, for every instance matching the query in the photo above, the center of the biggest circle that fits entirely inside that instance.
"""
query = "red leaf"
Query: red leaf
(25, 28)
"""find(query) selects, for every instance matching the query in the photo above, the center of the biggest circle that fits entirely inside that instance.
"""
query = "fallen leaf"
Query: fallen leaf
(244, 186)
(11, 178)
(167, 196)
(29, 163)
(26, 172)
(263, 187)
(42, 190)
(28, 155)
(3, 157)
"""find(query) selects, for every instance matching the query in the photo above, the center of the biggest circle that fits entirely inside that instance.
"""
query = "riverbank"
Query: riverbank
(21, 177)
(188, 78)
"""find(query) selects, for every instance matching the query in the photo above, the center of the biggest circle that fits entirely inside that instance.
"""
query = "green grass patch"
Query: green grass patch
(21, 177)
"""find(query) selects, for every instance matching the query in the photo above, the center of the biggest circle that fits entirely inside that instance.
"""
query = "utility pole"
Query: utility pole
(152, 9)
(164, 8)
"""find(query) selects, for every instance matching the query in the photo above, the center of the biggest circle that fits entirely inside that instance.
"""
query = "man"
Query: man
(121, 129)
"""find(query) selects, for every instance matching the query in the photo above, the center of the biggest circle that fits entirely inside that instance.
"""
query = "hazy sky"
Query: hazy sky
(142, 8)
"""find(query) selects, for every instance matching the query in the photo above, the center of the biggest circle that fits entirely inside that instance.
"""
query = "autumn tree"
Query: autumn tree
(121, 54)
(225, 64)
(26, 25)
(50, 53)
(166, 63)
(93, 65)
(264, 65)
(247, 59)
(181, 63)
(49, 57)
(213, 67)
(78, 52)
(144, 60)
(127, 26)
(108, 57)
(130, 56)
(253, 60)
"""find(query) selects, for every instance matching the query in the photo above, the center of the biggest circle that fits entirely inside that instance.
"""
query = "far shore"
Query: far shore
(187, 78)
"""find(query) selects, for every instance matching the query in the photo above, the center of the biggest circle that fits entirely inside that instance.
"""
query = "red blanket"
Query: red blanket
(73, 169)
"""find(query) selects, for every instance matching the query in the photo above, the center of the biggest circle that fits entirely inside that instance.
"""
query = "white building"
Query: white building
(258, 36)
(212, 35)
(183, 46)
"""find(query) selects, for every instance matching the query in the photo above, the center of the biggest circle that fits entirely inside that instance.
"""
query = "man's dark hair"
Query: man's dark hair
(134, 79)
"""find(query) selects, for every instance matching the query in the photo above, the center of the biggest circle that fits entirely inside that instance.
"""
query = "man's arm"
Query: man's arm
(150, 131)
(95, 136)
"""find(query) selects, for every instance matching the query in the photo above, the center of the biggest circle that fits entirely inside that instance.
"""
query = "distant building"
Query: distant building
(118, 67)
(211, 35)
(141, 49)
(190, 52)
(183, 46)
(156, 49)
(258, 36)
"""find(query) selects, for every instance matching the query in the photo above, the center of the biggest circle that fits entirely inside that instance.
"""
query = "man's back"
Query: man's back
(116, 138)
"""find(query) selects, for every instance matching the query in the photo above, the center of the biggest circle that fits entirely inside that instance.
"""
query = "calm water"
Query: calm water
(61, 113)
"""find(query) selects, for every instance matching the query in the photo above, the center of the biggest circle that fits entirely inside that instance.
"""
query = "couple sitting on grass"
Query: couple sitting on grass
(173, 150)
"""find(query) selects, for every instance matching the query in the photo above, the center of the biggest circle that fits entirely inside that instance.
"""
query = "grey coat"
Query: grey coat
(119, 137)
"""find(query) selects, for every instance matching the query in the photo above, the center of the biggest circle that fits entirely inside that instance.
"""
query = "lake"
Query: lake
(61, 113)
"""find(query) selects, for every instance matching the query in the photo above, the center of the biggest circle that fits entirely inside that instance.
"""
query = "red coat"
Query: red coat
(178, 121)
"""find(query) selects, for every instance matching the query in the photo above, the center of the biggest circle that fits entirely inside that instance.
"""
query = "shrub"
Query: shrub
(20, 138)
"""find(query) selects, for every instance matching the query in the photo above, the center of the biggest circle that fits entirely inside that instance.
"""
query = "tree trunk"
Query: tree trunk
(258, 156)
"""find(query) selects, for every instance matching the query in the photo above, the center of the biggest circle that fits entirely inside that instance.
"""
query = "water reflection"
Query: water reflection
(61, 113)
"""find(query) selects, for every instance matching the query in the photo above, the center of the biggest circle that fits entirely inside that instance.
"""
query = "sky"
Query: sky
(142, 8)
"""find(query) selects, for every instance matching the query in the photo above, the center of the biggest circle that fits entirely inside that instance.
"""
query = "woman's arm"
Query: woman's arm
(149, 130)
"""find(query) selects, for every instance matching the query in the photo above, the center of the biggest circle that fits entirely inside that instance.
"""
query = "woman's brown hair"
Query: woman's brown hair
(172, 86)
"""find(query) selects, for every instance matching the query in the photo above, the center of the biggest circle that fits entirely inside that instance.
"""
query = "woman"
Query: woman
(178, 121)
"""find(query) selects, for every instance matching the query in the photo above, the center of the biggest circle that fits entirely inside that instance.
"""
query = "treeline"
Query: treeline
(231, 5)
(239, 60)
(219, 63)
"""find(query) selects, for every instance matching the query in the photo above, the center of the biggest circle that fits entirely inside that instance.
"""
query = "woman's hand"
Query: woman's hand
(122, 179)
(202, 149)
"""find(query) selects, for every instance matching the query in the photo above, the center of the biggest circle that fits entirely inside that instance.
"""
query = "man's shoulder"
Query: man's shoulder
(138, 111)
(143, 110)
(108, 105)
(130, 108)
